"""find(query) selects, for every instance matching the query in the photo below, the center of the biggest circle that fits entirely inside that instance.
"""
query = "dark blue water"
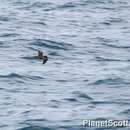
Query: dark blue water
(87, 75)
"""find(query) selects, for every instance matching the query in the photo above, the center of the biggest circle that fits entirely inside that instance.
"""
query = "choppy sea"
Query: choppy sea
(87, 75)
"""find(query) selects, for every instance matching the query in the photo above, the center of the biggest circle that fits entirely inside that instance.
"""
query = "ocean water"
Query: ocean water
(87, 75)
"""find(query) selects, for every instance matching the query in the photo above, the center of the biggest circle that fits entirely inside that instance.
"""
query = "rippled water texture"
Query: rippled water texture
(87, 75)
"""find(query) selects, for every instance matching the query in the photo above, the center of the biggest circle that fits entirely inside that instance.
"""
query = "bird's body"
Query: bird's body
(43, 57)
(40, 54)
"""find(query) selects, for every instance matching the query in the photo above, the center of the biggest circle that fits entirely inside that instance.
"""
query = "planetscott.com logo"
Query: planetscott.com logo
(106, 123)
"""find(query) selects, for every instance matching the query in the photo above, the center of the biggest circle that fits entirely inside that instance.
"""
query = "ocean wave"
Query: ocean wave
(2, 44)
(82, 95)
(109, 103)
(125, 112)
(54, 54)
(46, 6)
(85, 40)
(116, 46)
(67, 5)
(4, 19)
(35, 128)
(99, 58)
(11, 75)
(30, 57)
(40, 4)
(19, 76)
(71, 99)
(40, 23)
(110, 81)
(9, 35)
(52, 44)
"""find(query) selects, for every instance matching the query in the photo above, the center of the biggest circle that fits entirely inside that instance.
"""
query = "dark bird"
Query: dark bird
(43, 57)
(40, 54)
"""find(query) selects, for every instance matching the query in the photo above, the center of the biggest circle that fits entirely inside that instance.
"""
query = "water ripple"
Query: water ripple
(116, 46)
(35, 128)
(51, 44)
(99, 58)
(82, 95)
(87, 42)
(111, 81)
(15, 75)
(4, 19)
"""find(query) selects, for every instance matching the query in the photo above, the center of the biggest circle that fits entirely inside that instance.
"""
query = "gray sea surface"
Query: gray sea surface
(87, 75)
